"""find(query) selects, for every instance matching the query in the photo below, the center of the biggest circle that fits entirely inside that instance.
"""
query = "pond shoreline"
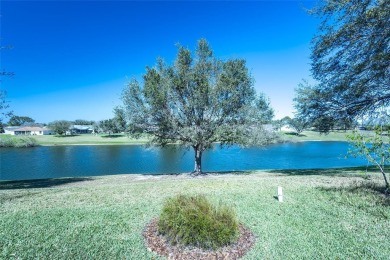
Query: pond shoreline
(87, 139)
(54, 161)
(142, 143)
(94, 144)
(350, 172)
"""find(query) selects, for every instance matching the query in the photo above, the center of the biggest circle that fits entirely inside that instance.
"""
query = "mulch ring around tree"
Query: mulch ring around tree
(161, 246)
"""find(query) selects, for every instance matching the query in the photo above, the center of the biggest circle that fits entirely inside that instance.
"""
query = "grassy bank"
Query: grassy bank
(120, 139)
(331, 214)
(86, 139)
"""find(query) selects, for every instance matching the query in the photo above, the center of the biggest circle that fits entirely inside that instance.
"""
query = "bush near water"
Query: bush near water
(13, 141)
(194, 221)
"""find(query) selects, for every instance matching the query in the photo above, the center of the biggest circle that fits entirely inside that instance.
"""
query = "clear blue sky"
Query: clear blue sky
(73, 58)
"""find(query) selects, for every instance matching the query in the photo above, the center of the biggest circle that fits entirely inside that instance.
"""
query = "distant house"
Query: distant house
(27, 130)
(269, 127)
(10, 130)
(287, 128)
(81, 129)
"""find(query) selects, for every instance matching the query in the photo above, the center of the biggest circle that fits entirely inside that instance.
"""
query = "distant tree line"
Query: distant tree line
(114, 125)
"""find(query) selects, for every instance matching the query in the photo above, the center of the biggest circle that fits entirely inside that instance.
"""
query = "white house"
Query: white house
(287, 128)
(9, 130)
(27, 130)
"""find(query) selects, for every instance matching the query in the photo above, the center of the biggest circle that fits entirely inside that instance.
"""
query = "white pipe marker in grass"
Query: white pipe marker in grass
(280, 194)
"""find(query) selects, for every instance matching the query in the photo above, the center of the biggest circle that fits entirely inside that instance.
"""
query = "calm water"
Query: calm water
(67, 161)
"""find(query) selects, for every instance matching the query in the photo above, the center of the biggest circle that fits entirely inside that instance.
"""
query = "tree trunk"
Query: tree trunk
(382, 169)
(198, 160)
(387, 190)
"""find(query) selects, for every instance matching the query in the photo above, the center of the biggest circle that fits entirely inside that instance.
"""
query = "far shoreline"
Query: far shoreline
(124, 144)
(122, 139)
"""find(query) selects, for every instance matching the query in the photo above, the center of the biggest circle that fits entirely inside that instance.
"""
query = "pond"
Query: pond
(70, 161)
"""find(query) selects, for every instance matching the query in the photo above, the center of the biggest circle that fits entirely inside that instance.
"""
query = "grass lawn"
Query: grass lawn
(87, 139)
(326, 214)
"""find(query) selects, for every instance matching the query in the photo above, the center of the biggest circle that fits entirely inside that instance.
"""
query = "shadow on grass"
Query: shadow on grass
(41, 183)
(343, 172)
(112, 136)
(63, 136)
(358, 187)
(295, 134)
(362, 188)
(19, 195)
(230, 172)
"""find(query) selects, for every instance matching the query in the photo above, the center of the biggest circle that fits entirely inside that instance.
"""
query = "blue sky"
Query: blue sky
(73, 58)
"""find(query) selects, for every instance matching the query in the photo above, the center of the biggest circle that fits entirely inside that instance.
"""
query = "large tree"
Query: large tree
(197, 101)
(350, 60)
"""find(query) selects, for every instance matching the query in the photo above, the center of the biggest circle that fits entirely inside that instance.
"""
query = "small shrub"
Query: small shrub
(7, 141)
(193, 220)
(26, 141)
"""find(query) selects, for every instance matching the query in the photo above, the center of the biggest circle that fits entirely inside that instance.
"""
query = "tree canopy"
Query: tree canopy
(196, 101)
(350, 60)
(83, 122)
(120, 119)
(4, 106)
(298, 124)
(60, 126)
(20, 120)
(108, 126)
(5, 112)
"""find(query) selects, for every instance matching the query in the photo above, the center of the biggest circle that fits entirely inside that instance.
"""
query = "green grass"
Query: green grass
(116, 139)
(316, 136)
(325, 215)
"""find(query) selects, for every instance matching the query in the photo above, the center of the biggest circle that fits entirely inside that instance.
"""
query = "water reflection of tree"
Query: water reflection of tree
(172, 159)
